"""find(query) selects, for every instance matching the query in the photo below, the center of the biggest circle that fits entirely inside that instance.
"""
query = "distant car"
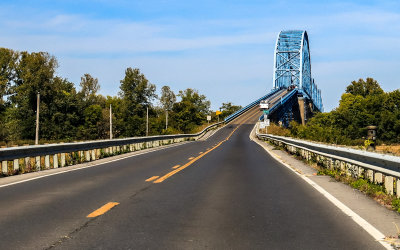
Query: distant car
(264, 104)
(291, 87)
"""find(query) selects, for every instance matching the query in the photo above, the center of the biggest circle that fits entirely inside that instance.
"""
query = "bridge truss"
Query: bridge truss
(292, 65)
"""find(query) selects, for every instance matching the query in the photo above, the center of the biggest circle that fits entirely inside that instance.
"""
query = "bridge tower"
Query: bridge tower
(292, 67)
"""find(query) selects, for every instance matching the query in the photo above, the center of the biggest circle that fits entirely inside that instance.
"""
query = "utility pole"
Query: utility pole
(111, 135)
(147, 122)
(166, 119)
(37, 119)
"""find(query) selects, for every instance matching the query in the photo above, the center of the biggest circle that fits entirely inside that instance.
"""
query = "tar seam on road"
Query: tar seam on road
(163, 178)
(103, 209)
(375, 233)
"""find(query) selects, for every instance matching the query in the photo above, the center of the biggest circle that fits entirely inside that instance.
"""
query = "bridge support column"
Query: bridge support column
(302, 110)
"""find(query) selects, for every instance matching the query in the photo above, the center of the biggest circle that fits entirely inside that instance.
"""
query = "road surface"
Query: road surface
(226, 193)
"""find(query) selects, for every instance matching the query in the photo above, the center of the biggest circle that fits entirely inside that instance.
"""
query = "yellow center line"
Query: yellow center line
(152, 178)
(177, 166)
(163, 178)
(191, 158)
(200, 153)
(102, 210)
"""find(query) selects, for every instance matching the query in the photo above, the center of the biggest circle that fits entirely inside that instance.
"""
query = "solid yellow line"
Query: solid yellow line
(103, 209)
(177, 166)
(152, 178)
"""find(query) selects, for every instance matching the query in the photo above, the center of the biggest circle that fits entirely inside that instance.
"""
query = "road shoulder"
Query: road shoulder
(378, 216)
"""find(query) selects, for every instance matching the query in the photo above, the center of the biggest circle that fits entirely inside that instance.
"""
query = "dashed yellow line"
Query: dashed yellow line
(102, 210)
(200, 153)
(152, 178)
(177, 166)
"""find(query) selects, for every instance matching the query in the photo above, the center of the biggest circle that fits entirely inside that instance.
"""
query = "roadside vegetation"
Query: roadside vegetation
(364, 103)
(70, 114)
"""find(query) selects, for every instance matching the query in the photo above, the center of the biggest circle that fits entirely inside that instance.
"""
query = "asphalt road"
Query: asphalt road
(227, 193)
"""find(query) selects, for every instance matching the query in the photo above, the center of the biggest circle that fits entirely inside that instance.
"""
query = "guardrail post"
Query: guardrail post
(37, 163)
(16, 164)
(398, 187)
(55, 161)
(47, 161)
(62, 160)
(370, 175)
(389, 184)
(4, 167)
(93, 154)
(87, 155)
(378, 178)
(27, 163)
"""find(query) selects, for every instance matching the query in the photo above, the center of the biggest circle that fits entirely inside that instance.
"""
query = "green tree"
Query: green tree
(228, 109)
(364, 88)
(191, 111)
(34, 73)
(89, 88)
(136, 93)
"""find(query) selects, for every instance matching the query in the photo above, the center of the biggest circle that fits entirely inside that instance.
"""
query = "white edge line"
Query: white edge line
(91, 165)
(375, 233)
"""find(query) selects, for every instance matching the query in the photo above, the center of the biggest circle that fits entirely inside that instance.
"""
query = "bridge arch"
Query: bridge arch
(292, 65)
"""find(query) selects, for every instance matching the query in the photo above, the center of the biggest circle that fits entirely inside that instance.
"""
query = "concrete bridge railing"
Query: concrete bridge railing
(355, 166)
(15, 160)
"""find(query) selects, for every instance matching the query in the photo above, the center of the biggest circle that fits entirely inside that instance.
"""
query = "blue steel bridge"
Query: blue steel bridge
(295, 95)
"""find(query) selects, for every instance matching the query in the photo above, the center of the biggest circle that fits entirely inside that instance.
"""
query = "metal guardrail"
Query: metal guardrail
(378, 168)
(89, 150)
(280, 102)
(251, 105)
(381, 160)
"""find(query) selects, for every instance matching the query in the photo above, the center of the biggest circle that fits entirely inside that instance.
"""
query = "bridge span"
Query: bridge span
(292, 72)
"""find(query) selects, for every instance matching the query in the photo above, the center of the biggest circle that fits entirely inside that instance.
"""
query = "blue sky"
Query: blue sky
(224, 49)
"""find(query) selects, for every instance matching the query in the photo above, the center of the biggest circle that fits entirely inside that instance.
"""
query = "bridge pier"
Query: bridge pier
(302, 109)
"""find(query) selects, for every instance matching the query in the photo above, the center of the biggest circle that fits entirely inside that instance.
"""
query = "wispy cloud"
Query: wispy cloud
(215, 47)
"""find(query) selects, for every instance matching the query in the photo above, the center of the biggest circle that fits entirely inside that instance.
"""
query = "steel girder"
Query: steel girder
(292, 65)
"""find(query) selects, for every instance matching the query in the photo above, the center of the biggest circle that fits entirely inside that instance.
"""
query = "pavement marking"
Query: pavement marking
(375, 233)
(191, 158)
(163, 178)
(152, 178)
(177, 166)
(102, 210)
(200, 153)
(92, 165)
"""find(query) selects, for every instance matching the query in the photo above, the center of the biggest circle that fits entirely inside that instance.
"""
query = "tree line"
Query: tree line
(70, 114)
(364, 103)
